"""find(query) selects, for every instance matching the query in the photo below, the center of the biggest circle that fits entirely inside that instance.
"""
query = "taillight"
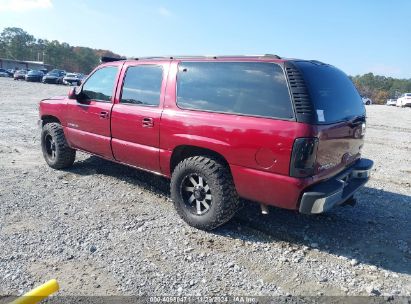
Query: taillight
(303, 157)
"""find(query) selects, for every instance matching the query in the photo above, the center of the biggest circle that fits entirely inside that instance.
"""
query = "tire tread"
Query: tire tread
(228, 204)
(65, 155)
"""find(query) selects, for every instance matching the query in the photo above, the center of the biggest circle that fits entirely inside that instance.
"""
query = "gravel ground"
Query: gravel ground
(101, 228)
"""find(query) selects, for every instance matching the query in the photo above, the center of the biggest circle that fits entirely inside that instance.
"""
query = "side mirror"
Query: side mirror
(72, 93)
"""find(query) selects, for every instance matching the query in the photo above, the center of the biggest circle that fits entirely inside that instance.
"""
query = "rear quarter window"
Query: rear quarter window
(246, 88)
(332, 93)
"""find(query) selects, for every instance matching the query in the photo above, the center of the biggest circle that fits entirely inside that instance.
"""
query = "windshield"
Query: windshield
(333, 94)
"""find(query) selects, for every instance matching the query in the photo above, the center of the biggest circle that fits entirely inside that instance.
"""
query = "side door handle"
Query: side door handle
(104, 114)
(147, 122)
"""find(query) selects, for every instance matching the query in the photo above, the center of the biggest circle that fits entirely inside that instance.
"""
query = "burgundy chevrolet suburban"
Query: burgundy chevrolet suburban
(281, 132)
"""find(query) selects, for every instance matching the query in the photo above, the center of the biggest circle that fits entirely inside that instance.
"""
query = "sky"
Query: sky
(357, 36)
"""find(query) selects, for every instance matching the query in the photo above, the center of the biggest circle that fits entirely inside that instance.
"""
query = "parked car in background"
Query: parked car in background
(54, 76)
(34, 76)
(367, 101)
(8, 72)
(73, 79)
(20, 74)
(391, 102)
(3, 73)
(404, 100)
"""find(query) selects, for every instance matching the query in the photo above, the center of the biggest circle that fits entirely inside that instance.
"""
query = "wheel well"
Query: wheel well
(182, 152)
(48, 119)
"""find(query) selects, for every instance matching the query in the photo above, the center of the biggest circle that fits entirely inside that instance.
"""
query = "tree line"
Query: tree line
(381, 88)
(17, 44)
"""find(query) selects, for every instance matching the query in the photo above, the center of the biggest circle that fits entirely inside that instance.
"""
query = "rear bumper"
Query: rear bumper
(323, 196)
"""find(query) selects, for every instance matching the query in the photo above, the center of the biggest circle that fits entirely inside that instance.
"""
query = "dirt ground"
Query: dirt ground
(101, 228)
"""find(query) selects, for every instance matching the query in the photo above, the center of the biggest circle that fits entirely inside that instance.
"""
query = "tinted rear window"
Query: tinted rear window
(333, 94)
(249, 88)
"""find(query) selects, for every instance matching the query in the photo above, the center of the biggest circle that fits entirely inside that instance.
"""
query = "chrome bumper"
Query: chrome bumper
(335, 191)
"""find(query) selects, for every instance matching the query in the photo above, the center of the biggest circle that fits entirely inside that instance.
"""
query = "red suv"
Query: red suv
(280, 132)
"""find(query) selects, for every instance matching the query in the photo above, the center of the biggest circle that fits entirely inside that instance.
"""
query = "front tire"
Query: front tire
(56, 151)
(203, 192)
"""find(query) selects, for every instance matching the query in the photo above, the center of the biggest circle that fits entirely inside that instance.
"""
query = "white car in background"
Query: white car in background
(391, 102)
(367, 101)
(73, 79)
(404, 100)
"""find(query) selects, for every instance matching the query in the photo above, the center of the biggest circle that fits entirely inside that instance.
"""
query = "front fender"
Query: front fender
(54, 107)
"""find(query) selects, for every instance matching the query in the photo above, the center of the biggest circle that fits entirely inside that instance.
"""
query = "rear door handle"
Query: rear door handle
(148, 122)
(103, 114)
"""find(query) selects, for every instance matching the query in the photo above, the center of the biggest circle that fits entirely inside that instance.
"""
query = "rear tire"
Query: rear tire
(203, 192)
(56, 151)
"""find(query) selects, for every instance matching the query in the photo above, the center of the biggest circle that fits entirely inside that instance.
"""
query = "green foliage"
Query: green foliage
(17, 44)
(381, 88)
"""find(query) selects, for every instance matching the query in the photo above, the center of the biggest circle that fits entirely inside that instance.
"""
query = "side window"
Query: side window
(250, 88)
(100, 85)
(142, 85)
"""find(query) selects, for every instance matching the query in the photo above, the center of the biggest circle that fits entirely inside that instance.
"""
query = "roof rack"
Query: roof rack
(173, 57)
(272, 55)
(104, 59)
(110, 59)
(204, 56)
